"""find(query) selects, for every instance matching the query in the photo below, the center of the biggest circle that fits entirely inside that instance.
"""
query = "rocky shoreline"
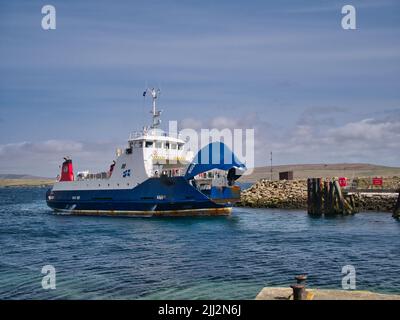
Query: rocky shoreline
(292, 194)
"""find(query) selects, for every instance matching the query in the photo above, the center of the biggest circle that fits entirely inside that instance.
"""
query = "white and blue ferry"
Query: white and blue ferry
(155, 175)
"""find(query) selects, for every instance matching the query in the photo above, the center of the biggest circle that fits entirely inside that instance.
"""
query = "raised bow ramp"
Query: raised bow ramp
(216, 155)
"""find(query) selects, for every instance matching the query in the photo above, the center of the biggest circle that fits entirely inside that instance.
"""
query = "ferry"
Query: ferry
(155, 175)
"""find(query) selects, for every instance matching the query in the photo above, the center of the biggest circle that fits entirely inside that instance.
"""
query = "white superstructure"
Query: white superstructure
(150, 152)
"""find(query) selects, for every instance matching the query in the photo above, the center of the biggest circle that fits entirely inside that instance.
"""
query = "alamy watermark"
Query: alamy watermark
(349, 278)
(49, 280)
(349, 20)
(239, 144)
(49, 20)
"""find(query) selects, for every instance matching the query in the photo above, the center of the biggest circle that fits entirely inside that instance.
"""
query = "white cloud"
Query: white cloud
(49, 146)
(368, 130)
(44, 157)
(318, 138)
(366, 140)
(250, 120)
(190, 123)
(373, 140)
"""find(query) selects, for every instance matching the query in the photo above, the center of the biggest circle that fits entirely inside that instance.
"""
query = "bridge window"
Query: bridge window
(180, 146)
(167, 145)
(158, 144)
(149, 144)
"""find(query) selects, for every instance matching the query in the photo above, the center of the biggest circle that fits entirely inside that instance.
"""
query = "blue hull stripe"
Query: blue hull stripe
(153, 196)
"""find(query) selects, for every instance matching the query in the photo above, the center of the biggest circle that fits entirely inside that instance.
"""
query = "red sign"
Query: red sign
(342, 181)
(377, 181)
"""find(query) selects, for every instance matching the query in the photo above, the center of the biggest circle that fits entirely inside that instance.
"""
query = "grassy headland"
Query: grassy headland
(26, 182)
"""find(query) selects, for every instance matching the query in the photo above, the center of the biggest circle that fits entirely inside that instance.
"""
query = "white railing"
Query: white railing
(93, 176)
(152, 132)
(135, 134)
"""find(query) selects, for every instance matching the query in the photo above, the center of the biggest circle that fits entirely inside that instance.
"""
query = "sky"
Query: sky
(312, 91)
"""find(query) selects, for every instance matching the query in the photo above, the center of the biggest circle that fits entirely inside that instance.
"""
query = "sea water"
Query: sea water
(187, 258)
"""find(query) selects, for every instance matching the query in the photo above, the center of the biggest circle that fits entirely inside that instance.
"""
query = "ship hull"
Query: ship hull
(154, 197)
(166, 213)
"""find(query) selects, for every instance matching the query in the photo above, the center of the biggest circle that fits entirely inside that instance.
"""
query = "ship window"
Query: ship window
(138, 144)
(167, 145)
(149, 144)
(173, 146)
(180, 146)
(158, 144)
(123, 166)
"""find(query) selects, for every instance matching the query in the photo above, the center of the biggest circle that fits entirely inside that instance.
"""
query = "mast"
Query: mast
(155, 92)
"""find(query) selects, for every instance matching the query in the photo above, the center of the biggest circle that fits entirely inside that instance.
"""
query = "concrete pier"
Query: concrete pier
(280, 293)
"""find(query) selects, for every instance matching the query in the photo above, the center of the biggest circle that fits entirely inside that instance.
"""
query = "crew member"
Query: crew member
(112, 167)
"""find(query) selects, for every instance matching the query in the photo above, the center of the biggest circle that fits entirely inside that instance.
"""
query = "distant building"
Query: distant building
(286, 175)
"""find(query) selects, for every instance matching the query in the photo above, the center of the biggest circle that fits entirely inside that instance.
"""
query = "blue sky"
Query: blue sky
(313, 91)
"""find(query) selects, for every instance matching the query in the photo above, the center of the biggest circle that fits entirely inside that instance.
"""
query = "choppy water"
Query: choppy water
(187, 258)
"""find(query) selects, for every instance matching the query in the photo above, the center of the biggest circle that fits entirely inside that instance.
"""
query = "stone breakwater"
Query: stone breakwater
(384, 202)
(292, 194)
(285, 194)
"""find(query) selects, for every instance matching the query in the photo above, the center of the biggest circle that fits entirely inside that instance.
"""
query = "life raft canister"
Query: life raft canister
(67, 171)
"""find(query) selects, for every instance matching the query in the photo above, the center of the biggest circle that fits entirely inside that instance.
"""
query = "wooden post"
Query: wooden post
(331, 198)
(340, 198)
(314, 195)
(326, 197)
(351, 203)
(396, 211)
(318, 202)
(348, 209)
(309, 196)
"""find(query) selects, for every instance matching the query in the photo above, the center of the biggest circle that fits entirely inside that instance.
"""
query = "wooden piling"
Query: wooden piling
(309, 196)
(340, 200)
(327, 198)
(318, 196)
(330, 198)
(314, 196)
(396, 211)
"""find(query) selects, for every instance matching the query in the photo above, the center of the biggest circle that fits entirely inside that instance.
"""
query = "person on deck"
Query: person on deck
(112, 168)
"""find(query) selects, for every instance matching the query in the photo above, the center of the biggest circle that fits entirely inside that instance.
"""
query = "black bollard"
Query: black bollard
(301, 279)
(298, 291)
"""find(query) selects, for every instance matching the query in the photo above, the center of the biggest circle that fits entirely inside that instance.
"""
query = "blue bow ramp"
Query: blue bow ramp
(216, 155)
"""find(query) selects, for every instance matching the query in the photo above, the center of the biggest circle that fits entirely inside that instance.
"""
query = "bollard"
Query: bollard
(298, 291)
(301, 279)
